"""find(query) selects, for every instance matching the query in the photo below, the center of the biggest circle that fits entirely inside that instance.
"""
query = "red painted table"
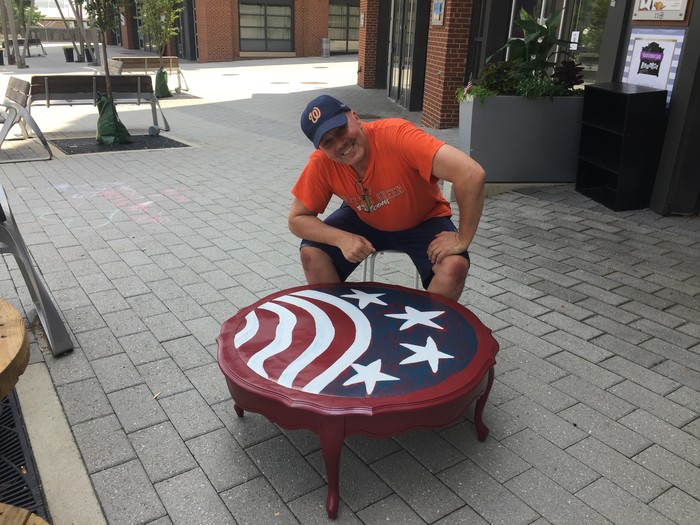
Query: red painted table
(357, 358)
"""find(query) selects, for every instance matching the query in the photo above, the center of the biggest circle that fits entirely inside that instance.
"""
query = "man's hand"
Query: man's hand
(305, 223)
(355, 248)
(444, 244)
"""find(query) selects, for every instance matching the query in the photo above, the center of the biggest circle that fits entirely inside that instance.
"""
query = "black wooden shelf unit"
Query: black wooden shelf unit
(622, 133)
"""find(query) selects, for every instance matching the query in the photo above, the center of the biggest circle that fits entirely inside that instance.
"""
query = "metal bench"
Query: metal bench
(149, 64)
(13, 111)
(85, 89)
(34, 41)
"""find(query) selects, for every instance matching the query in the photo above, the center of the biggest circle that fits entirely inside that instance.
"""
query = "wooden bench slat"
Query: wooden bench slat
(57, 88)
(148, 63)
(17, 91)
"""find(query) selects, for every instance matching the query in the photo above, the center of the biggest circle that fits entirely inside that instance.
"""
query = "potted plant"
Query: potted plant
(521, 119)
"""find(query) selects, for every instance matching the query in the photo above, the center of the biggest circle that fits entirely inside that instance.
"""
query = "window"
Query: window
(266, 25)
(344, 25)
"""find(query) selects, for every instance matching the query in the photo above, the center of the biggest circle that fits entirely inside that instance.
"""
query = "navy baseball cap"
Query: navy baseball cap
(321, 115)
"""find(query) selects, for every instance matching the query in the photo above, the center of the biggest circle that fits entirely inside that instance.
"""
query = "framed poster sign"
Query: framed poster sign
(438, 15)
(652, 58)
(662, 12)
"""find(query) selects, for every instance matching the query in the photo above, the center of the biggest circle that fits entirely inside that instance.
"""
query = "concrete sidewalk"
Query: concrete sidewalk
(593, 414)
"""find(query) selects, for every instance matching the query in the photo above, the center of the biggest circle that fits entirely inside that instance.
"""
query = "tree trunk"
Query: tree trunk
(108, 77)
(27, 27)
(13, 33)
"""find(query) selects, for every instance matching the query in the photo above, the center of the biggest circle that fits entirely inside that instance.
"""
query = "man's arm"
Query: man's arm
(305, 224)
(467, 177)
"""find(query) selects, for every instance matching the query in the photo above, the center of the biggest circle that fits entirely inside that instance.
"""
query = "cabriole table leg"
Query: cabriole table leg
(482, 430)
(332, 437)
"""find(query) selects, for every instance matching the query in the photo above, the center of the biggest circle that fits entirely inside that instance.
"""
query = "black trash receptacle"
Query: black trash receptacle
(68, 53)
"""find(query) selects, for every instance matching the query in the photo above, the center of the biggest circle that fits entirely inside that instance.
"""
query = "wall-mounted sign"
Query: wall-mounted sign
(662, 11)
(573, 42)
(652, 58)
(438, 17)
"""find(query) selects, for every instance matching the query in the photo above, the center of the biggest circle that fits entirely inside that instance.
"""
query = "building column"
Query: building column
(367, 50)
(445, 66)
(677, 186)
(129, 39)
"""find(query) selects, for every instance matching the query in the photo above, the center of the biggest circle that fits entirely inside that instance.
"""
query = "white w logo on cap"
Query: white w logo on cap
(315, 114)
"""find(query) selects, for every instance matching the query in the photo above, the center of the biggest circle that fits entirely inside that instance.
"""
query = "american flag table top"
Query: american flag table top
(329, 357)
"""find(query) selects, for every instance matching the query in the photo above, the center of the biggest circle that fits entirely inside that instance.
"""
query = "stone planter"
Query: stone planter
(521, 140)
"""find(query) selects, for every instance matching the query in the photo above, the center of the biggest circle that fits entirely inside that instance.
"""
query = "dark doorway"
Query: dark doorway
(187, 36)
(408, 45)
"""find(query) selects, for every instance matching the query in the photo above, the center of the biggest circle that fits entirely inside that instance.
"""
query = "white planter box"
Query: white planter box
(517, 139)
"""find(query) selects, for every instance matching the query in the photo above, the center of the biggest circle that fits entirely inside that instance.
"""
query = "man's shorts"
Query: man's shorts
(413, 242)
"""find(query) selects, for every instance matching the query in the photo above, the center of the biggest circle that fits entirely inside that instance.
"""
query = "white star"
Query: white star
(414, 317)
(428, 353)
(364, 298)
(369, 375)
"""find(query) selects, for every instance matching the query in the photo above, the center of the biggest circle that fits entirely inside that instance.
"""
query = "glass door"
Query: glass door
(584, 23)
(397, 34)
(407, 53)
(536, 8)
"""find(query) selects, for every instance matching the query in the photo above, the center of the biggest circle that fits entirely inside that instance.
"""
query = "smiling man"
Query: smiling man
(386, 172)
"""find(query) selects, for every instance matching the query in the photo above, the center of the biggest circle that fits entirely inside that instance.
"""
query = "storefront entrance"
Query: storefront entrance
(409, 37)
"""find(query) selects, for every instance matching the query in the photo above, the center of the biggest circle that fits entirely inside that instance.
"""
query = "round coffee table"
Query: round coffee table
(357, 358)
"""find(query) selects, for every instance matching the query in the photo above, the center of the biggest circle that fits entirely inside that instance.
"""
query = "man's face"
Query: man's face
(346, 144)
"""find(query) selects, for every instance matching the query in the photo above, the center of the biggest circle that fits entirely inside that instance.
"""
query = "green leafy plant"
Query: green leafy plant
(31, 16)
(538, 45)
(530, 69)
(159, 22)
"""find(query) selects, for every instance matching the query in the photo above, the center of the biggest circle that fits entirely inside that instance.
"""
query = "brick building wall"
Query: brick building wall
(367, 50)
(218, 36)
(310, 26)
(446, 64)
(217, 30)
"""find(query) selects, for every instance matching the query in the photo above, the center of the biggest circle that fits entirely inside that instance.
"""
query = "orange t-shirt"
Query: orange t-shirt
(400, 185)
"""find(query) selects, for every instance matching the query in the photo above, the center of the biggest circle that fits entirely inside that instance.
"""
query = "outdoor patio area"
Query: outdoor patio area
(593, 414)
